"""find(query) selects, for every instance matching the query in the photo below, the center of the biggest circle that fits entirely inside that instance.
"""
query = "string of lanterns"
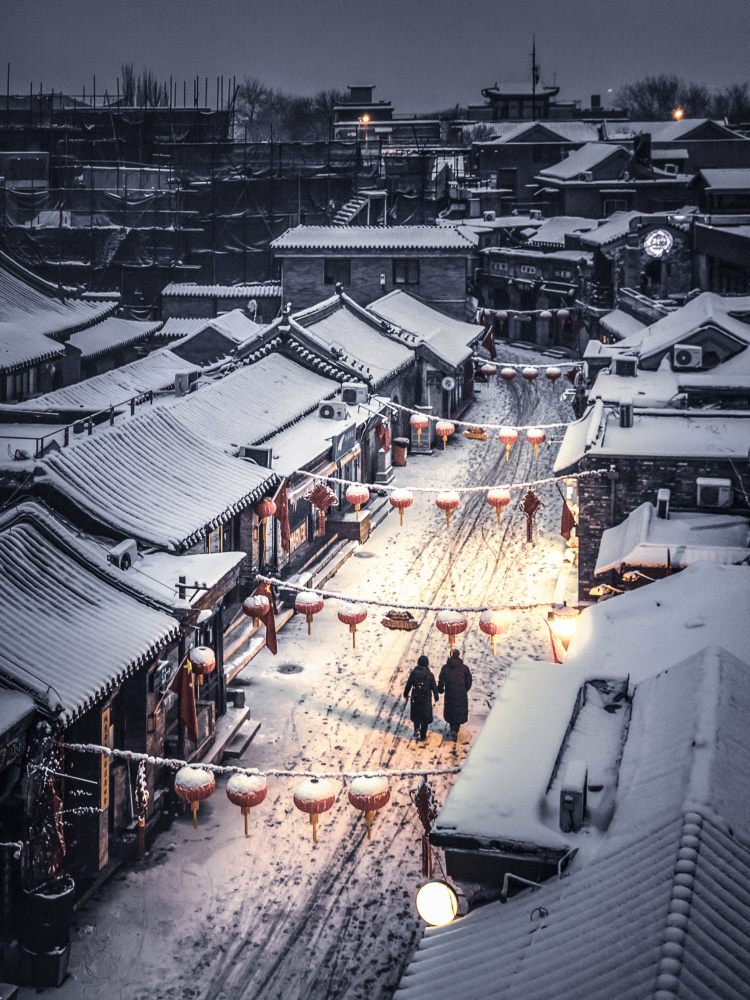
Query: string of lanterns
(405, 497)
(485, 316)
(368, 792)
(420, 421)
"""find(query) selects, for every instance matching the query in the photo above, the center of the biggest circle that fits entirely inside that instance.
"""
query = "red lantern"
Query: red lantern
(193, 785)
(308, 604)
(488, 370)
(369, 794)
(202, 660)
(353, 615)
(256, 607)
(553, 374)
(530, 374)
(315, 796)
(494, 622)
(357, 495)
(451, 623)
(545, 315)
(572, 374)
(401, 499)
(536, 436)
(498, 498)
(507, 374)
(444, 429)
(501, 316)
(246, 791)
(264, 509)
(507, 436)
(562, 315)
(418, 422)
(448, 501)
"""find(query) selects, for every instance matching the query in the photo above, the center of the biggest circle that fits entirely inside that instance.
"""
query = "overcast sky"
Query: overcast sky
(421, 54)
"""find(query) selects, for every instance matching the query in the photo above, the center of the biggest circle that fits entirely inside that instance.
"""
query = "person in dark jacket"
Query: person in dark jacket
(422, 685)
(455, 681)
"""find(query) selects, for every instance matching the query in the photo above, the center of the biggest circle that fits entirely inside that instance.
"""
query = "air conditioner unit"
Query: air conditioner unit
(714, 492)
(124, 554)
(687, 356)
(624, 176)
(354, 393)
(489, 216)
(671, 168)
(261, 456)
(183, 382)
(662, 504)
(625, 366)
(332, 411)
(626, 410)
(536, 213)
(587, 175)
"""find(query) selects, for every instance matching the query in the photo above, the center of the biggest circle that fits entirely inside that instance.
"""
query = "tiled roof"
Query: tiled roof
(262, 290)
(250, 404)
(371, 238)
(77, 632)
(583, 159)
(620, 323)
(111, 334)
(553, 231)
(155, 371)
(177, 327)
(566, 131)
(708, 307)
(728, 179)
(449, 339)
(19, 347)
(154, 479)
(614, 227)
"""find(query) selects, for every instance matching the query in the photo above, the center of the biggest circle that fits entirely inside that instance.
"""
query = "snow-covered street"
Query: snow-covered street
(211, 914)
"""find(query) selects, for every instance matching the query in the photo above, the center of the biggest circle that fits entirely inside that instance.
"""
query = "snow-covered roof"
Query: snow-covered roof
(111, 334)
(613, 228)
(578, 131)
(297, 446)
(657, 908)
(553, 231)
(666, 131)
(647, 389)
(156, 371)
(371, 238)
(155, 479)
(234, 325)
(449, 339)
(19, 347)
(343, 328)
(259, 290)
(23, 307)
(708, 307)
(675, 434)
(583, 159)
(253, 402)
(727, 178)
(77, 630)
(643, 539)
(177, 327)
(163, 571)
(620, 323)
(15, 707)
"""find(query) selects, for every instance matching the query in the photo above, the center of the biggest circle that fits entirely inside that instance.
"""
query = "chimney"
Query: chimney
(596, 102)
(339, 288)
(662, 504)
(626, 410)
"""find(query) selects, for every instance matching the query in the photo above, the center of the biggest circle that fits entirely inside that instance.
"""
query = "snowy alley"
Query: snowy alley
(211, 914)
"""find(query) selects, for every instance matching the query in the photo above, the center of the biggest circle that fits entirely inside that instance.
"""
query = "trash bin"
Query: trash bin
(400, 446)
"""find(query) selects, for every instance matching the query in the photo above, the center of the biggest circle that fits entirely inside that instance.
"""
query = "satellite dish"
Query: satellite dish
(449, 383)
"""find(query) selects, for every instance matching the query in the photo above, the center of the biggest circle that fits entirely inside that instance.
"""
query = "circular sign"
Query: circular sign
(448, 383)
(658, 243)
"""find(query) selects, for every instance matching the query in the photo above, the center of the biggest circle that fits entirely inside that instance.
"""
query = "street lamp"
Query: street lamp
(562, 622)
(437, 903)
(678, 114)
(364, 120)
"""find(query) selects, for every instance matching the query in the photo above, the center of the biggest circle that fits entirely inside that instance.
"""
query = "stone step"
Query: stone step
(241, 740)
(245, 653)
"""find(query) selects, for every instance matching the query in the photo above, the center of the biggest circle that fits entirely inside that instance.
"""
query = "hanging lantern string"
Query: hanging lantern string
(285, 585)
(487, 427)
(275, 772)
(510, 313)
(456, 489)
(520, 365)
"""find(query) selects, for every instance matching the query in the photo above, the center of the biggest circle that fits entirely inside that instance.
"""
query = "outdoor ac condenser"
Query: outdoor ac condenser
(714, 492)
(354, 393)
(124, 554)
(686, 356)
(625, 366)
(332, 411)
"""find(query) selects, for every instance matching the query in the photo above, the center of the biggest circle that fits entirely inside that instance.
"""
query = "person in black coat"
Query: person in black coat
(422, 685)
(455, 681)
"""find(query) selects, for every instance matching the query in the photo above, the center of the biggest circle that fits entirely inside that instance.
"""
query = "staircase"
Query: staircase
(348, 212)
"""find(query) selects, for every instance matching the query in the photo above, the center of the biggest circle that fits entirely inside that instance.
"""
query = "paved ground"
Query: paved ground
(211, 914)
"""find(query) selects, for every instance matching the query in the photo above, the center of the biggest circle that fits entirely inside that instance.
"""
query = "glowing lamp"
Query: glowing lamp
(530, 373)
(193, 785)
(562, 622)
(369, 794)
(536, 436)
(448, 501)
(418, 422)
(364, 119)
(498, 498)
(437, 903)
(401, 499)
(494, 622)
(357, 495)
(507, 436)
(553, 374)
(678, 114)
(246, 791)
(444, 429)
(308, 604)
(451, 623)
(507, 374)
(256, 607)
(353, 615)
(314, 796)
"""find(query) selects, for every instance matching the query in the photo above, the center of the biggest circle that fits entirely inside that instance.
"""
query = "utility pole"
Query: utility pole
(533, 77)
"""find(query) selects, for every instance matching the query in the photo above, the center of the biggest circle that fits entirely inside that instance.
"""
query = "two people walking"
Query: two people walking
(454, 681)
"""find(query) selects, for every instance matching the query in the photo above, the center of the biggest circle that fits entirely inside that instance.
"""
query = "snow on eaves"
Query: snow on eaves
(449, 339)
(371, 238)
(263, 290)
(75, 636)
(155, 479)
(20, 347)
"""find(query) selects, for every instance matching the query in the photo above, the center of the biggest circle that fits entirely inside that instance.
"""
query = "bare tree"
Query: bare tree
(651, 99)
(128, 84)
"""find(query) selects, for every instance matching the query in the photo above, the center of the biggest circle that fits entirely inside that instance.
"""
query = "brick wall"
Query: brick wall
(442, 280)
(640, 478)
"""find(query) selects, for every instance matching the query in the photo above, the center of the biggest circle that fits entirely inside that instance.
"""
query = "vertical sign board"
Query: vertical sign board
(104, 779)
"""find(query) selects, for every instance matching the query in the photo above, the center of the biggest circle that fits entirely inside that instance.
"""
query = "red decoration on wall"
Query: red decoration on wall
(383, 435)
(282, 516)
(182, 685)
(322, 498)
(529, 506)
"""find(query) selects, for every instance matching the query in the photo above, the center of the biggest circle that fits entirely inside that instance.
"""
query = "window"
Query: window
(615, 205)
(561, 273)
(405, 271)
(498, 267)
(337, 269)
(527, 269)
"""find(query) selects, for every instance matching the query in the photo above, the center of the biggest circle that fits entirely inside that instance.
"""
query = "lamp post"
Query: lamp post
(562, 622)
(363, 120)
(437, 903)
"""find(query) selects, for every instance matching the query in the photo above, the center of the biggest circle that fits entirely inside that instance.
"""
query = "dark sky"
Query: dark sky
(421, 55)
